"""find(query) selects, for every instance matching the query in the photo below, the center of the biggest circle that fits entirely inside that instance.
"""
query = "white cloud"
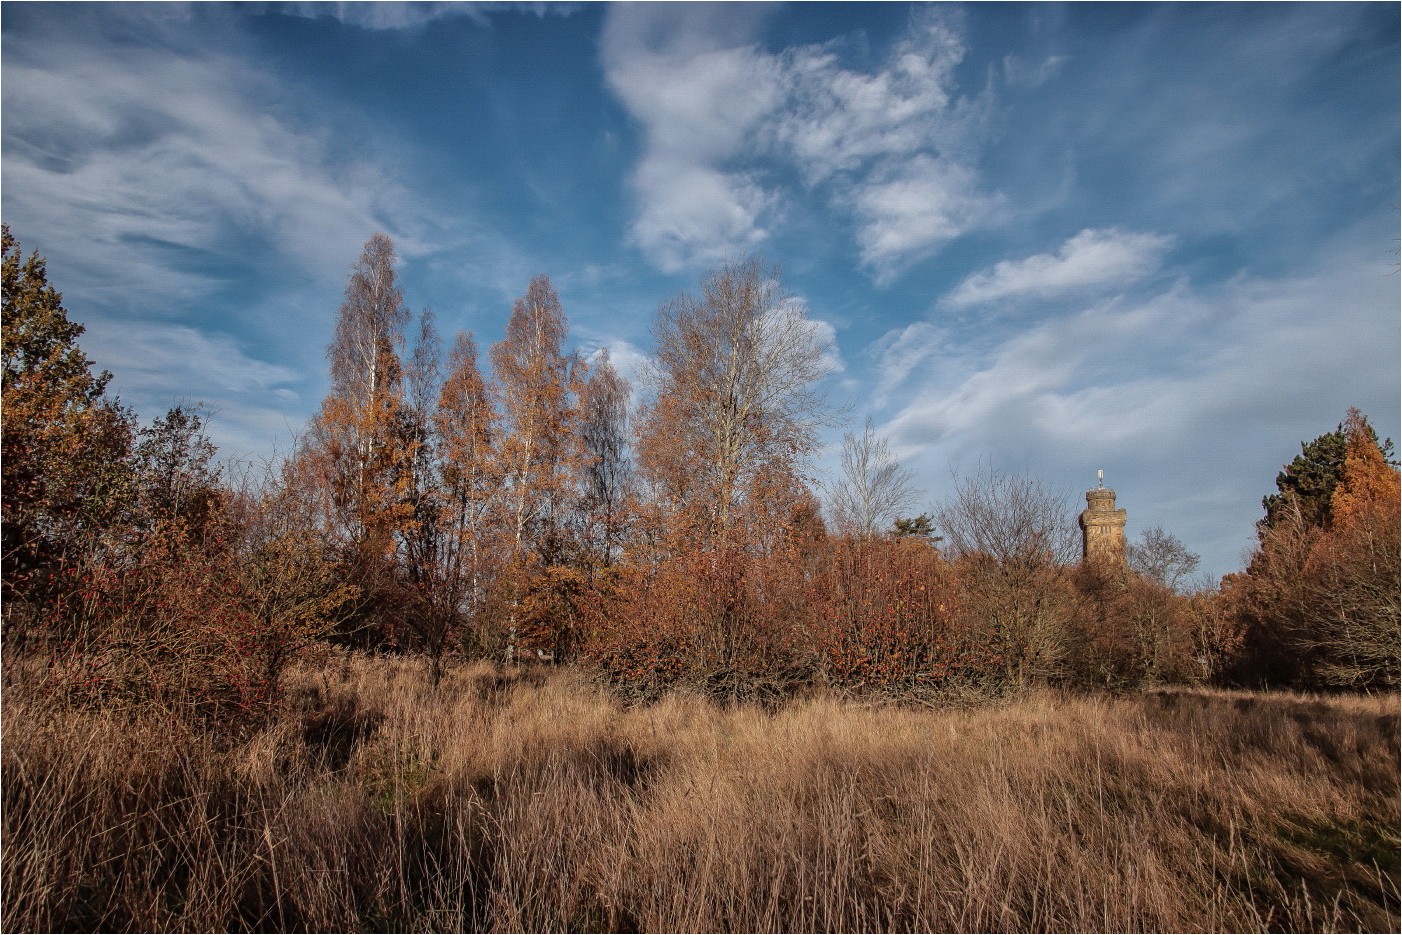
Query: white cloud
(121, 162)
(1194, 397)
(1091, 259)
(693, 215)
(701, 106)
(907, 211)
(887, 146)
(899, 352)
(837, 120)
(1018, 72)
(411, 15)
(697, 101)
(156, 365)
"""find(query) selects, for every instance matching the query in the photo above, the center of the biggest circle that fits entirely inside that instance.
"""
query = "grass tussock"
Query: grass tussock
(525, 800)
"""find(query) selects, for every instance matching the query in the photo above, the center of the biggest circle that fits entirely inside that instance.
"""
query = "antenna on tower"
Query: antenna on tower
(1100, 478)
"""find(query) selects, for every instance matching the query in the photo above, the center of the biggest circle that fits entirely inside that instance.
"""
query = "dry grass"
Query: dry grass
(530, 801)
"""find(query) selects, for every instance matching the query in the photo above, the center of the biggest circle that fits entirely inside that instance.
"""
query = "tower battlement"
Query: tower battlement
(1102, 527)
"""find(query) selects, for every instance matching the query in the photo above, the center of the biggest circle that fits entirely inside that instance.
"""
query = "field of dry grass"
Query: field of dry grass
(529, 800)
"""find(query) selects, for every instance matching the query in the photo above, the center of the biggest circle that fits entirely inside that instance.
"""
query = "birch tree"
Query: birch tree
(874, 488)
(737, 369)
(606, 466)
(466, 425)
(536, 380)
(422, 536)
(356, 438)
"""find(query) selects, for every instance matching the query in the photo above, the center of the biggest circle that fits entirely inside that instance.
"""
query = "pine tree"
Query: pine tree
(1305, 487)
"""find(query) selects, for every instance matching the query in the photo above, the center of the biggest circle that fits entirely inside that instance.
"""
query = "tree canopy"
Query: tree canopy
(65, 442)
(1306, 485)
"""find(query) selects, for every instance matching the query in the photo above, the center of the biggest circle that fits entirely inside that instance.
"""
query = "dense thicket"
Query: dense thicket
(531, 512)
(1319, 599)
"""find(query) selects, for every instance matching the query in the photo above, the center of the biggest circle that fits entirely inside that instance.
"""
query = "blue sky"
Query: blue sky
(1158, 240)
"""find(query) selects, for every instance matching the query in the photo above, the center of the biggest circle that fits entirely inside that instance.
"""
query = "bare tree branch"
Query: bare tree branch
(874, 488)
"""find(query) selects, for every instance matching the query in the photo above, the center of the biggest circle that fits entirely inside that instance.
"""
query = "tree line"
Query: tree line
(525, 508)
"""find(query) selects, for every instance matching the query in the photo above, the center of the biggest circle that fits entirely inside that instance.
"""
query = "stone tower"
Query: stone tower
(1102, 526)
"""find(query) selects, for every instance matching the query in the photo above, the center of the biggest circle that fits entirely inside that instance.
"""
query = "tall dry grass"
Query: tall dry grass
(529, 801)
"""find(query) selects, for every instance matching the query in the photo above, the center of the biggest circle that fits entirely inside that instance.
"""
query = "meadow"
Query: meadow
(529, 799)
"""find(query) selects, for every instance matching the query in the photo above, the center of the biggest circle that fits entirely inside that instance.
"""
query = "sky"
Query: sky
(1156, 240)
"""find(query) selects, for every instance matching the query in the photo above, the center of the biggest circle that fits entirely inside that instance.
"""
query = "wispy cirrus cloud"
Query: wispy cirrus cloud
(159, 170)
(1192, 393)
(126, 157)
(1019, 72)
(899, 352)
(1092, 259)
(151, 356)
(412, 15)
(252, 404)
(720, 115)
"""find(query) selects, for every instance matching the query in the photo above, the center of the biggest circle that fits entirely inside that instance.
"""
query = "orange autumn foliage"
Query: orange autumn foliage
(537, 384)
(722, 621)
(1367, 497)
(1353, 569)
(1319, 601)
(355, 455)
(888, 615)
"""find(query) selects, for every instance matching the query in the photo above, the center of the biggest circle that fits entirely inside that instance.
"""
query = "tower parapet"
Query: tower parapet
(1102, 527)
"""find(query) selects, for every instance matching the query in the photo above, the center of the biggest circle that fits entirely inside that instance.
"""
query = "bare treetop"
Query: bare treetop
(874, 487)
